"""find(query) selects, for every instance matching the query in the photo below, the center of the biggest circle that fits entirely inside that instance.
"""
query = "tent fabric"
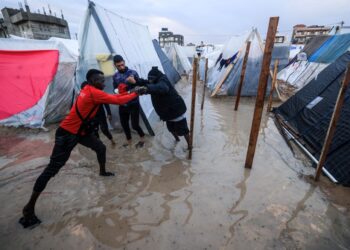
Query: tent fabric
(106, 33)
(179, 59)
(169, 69)
(254, 64)
(311, 46)
(308, 114)
(25, 74)
(331, 49)
(55, 100)
(298, 73)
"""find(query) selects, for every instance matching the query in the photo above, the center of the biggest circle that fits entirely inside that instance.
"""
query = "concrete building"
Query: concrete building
(24, 23)
(301, 32)
(166, 38)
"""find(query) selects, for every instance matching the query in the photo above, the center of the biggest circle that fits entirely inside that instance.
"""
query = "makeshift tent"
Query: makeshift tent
(212, 55)
(307, 115)
(190, 52)
(179, 59)
(320, 51)
(169, 69)
(294, 50)
(225, 75)
(104, 34)
(37, 82)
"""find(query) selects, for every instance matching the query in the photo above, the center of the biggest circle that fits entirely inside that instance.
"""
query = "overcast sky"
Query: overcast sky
(208, 21)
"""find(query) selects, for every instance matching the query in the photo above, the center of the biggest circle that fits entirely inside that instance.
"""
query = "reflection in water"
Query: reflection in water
(244, 213)
(285, 233)
(117, 220)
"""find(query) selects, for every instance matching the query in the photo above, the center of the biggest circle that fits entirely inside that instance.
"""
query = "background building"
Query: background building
(24, 23)
(301, 32)
(166, 38)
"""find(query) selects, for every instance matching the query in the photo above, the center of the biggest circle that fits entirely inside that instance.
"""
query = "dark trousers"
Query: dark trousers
(103, 125)
(64, 144)
(133, 111)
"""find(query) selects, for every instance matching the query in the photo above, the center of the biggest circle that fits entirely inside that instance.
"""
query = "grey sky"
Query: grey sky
(208, 21)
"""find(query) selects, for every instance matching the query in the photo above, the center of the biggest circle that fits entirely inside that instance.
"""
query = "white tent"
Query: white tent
(104, 34)
(179, 59)
(44, 104)
(224, 77)
(212, 53)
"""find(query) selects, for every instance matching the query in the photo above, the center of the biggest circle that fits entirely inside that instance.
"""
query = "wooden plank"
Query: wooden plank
(205, 81)
(273, 85)
(271, 73)
(244, 67)
(193, 105)
(259, 104)
(333, 123)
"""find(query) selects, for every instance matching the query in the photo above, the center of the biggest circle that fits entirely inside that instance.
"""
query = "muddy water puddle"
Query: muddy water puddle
(161, 200)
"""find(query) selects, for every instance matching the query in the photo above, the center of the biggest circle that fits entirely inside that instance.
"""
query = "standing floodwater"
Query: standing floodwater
(161, 200)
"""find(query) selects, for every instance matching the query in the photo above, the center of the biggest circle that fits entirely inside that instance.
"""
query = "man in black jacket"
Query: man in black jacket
(167, 103)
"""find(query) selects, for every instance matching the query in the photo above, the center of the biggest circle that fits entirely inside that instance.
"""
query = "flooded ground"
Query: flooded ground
(161, 200)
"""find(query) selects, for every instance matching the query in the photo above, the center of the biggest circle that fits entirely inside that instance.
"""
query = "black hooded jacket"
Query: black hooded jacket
(167, 103)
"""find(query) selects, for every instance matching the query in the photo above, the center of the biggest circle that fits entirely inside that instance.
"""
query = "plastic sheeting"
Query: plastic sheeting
(321, 51)
(169, 69)
(179, 59)
(106, 33)
(330, 50)
(57, 97)
(308, 114)
(26, 75)
(254, 63)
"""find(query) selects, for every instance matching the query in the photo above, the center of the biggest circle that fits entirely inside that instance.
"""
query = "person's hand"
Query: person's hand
(131, 79)
(109, 117)
(139, 90)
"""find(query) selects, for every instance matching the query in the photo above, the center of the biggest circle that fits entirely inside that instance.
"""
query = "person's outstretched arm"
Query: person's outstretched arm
(101, 97)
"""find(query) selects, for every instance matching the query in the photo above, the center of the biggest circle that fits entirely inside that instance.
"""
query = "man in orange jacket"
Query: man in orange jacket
(74, 129)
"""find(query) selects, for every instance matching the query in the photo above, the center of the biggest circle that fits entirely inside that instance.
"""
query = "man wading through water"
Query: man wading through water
(167, 103)
(76, 128)
(124, 80)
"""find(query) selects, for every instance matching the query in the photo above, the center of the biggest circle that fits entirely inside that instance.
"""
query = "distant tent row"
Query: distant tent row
(307, 114)
(224, 76)
(321, 51)
(37, 81)
(179, 59)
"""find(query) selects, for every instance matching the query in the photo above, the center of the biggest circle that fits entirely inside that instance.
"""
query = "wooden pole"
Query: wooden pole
(244, 67)
(259, 104)
(193, 105)
(333, 123)
(205, 81)
(273, 85)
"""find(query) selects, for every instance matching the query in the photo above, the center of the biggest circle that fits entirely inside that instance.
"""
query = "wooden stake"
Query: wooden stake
(205, 81)
(333, 123)
(193, 105)
(244, 67)
(259, 104)
(273, 85)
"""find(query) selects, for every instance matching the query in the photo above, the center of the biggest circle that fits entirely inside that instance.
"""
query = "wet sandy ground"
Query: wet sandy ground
(161, 200)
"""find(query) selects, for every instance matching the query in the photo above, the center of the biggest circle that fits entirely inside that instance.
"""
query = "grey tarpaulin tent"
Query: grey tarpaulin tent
(233, 54)
(169, 69)
(307, 115)
(104, 34)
